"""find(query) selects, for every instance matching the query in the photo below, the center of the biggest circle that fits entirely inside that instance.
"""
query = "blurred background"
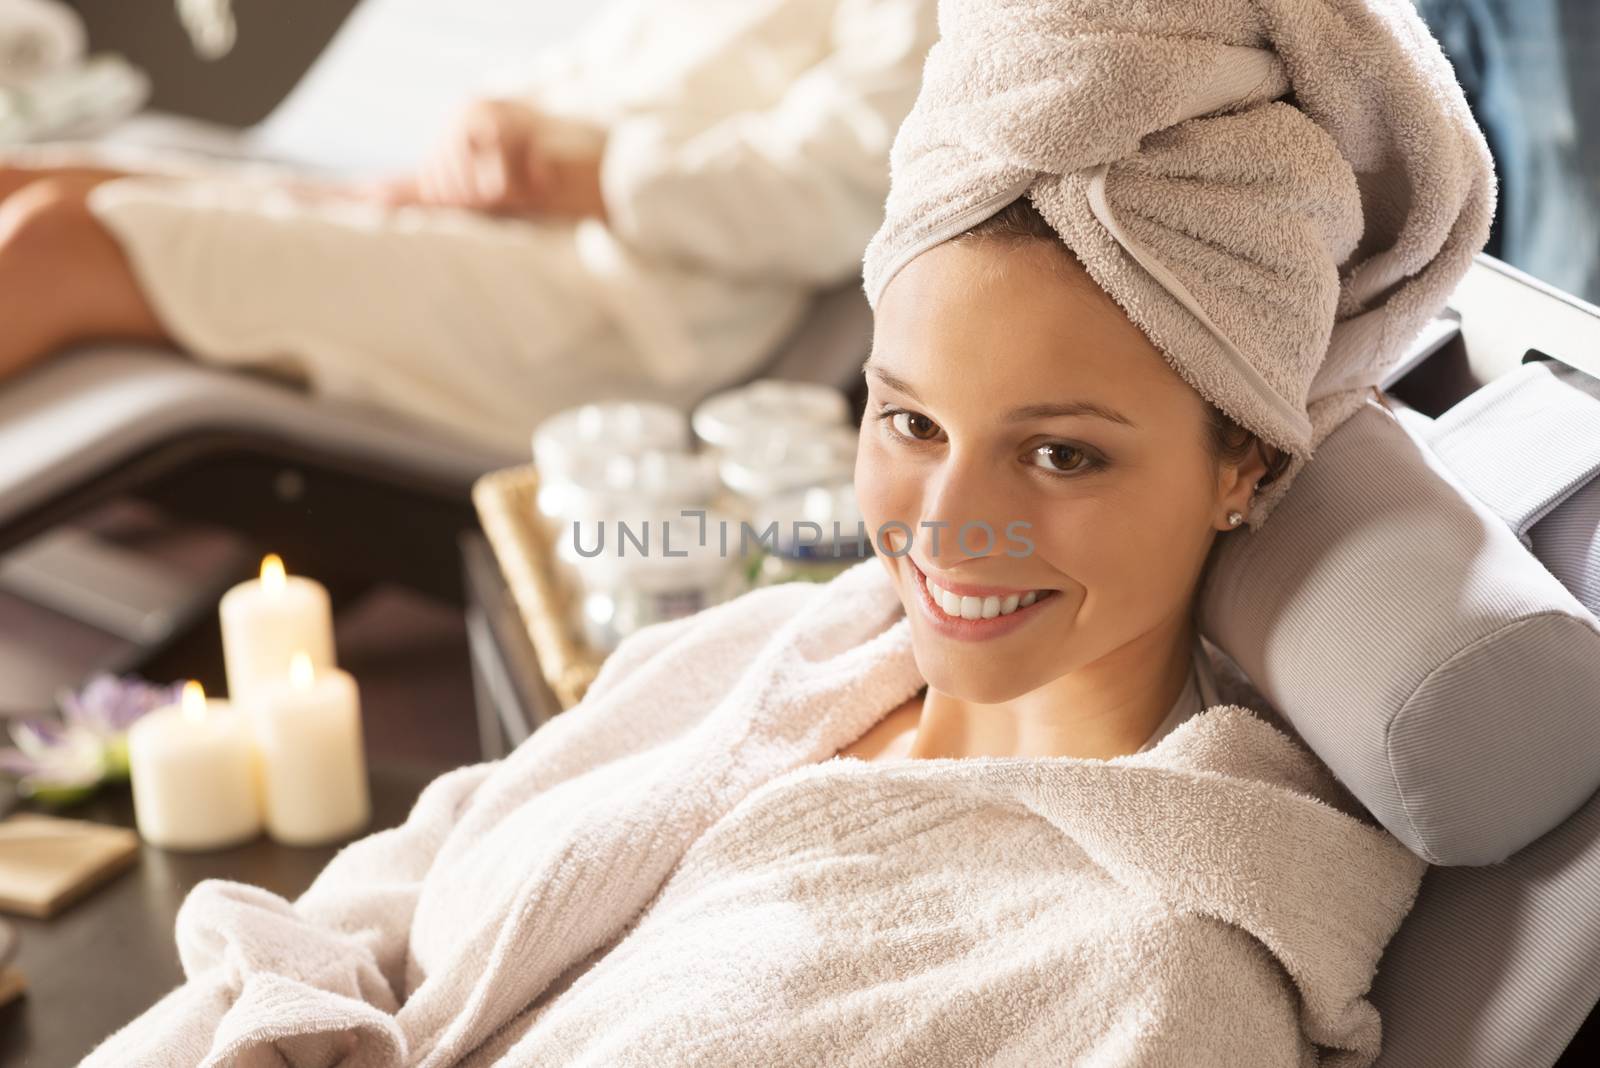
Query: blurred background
(280, 42)
(396, 71)
(1529, 73)
(120, 571)
(328, 85)
(1527, 67)
(139, 486)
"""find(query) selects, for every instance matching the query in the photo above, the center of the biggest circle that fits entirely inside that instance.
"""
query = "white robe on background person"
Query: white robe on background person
(745, 170)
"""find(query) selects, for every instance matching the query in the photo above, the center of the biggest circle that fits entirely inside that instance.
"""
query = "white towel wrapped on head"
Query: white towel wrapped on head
(1280, 193)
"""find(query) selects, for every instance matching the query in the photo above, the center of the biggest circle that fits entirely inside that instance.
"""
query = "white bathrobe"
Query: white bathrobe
(677, 871)
(746, 168)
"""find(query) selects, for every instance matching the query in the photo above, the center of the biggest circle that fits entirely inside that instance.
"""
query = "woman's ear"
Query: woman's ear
(1239, 481)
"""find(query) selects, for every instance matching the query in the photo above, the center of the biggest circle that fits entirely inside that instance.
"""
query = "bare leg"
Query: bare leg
(63, 278)
(14, 179)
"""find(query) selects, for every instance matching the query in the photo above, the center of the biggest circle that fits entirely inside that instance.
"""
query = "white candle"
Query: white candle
(313, 767)
(193, 767)
(267, 620)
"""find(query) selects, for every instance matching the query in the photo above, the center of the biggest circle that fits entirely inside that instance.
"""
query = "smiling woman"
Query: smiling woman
(1008, 392)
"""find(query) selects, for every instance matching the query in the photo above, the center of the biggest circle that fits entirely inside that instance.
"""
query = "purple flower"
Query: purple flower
(108, 705)
(67, 758)
(51, 758)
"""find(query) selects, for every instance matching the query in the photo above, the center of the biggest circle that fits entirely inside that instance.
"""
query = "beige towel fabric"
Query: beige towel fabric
(681, 848)
(1280, 193)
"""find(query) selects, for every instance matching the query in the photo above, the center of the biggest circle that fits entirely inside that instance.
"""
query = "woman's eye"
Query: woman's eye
(914, 425)
(1064, 458)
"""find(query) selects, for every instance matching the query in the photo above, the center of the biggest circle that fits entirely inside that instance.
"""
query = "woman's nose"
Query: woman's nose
(965, 513)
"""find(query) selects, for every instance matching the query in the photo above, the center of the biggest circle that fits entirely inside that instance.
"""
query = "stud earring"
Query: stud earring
(1234, 519)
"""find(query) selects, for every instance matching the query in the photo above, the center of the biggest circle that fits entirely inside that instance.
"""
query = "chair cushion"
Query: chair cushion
(1528, 446)
(1399, 626)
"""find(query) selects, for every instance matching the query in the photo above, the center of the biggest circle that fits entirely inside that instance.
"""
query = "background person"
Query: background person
(651, 215)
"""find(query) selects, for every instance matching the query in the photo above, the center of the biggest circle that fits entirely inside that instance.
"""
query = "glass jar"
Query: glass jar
(820, 532)
(785, 458)
(722, 420)
(658, 570)
(568, 437)
(601, 483)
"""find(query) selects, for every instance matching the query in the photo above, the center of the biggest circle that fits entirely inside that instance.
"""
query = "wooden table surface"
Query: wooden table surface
(103, 960)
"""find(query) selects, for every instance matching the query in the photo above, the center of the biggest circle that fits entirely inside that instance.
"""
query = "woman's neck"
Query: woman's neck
(1105, 709)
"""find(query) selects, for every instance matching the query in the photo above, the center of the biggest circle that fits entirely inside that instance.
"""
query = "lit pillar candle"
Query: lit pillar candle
(267, 620)
(313, 769)
(193, 767)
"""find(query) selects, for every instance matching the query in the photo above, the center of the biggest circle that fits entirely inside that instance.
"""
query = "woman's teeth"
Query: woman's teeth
(954, 604)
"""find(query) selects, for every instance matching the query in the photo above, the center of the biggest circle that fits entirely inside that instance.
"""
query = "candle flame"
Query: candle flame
(272, 572)
(193, 702)
(300, 671)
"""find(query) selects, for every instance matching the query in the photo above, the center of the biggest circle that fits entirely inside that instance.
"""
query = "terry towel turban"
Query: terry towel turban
(1280, 193)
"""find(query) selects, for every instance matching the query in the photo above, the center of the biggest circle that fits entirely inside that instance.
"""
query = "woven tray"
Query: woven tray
(507, 506)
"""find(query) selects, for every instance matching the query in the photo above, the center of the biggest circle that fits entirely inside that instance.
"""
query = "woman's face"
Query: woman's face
(987, 359)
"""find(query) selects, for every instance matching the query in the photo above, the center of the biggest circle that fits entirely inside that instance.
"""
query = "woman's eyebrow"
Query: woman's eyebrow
(1045, 411)
(1018, 415)
(893, 381)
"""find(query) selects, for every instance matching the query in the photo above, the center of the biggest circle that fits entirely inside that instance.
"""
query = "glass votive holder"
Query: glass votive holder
(565, 438)
(635, 570)
(773, 461)
(819, 532)
(722, 420)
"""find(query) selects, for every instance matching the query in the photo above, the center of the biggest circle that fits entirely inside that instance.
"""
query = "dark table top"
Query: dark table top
(109, 956)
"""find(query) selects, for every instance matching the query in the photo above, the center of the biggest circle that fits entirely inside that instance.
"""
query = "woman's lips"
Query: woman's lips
(981, 628)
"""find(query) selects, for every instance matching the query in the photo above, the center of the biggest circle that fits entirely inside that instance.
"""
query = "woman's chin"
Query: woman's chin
(975, 679)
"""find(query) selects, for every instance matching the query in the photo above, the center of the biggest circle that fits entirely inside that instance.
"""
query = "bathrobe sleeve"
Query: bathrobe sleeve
(794, 191)
(314, 981)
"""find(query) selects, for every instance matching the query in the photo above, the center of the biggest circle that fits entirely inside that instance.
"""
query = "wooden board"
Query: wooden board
(48, 862)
